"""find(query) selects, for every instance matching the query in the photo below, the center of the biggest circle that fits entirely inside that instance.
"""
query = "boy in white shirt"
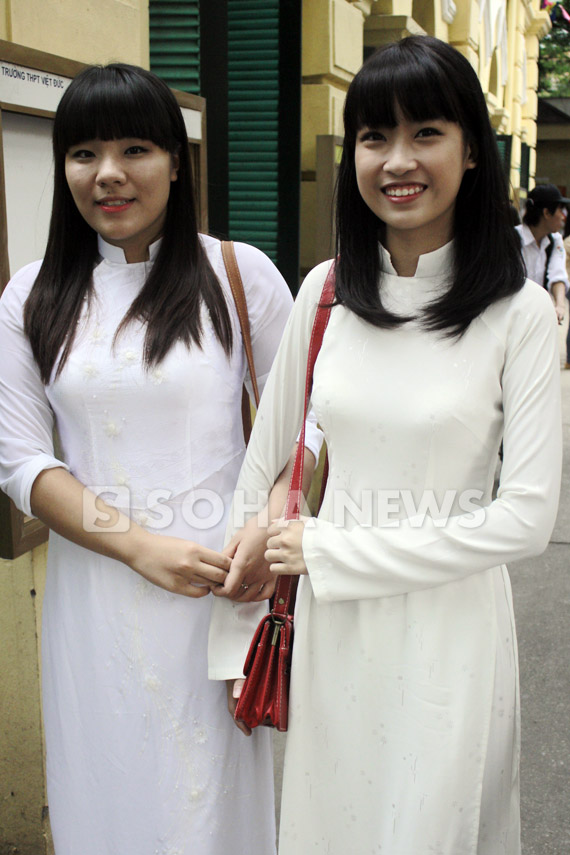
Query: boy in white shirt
(542, 246)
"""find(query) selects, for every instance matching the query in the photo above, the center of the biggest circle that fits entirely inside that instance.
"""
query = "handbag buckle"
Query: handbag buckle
(278, 624)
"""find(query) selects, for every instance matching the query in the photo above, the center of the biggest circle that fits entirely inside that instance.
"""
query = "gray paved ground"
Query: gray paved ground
(541, 590)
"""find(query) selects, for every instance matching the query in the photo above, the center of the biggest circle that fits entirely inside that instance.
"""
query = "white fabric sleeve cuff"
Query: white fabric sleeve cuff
(19, 488)
(313, 435)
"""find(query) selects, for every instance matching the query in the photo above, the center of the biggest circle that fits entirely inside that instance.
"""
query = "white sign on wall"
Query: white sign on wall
(28, 87)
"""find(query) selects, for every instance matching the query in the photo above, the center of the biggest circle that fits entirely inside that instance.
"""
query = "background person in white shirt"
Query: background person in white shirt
(542, 246)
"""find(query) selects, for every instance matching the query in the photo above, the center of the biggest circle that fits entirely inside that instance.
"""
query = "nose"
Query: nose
(110, 171)
(400, 158)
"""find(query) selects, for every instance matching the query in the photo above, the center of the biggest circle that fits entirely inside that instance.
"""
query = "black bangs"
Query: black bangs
(113, 102)
(403, 76)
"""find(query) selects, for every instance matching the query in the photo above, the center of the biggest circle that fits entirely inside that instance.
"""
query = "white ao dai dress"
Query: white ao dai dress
(404, 718)
(142, 756)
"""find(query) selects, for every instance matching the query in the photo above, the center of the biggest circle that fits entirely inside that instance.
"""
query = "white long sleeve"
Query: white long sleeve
(26, 418)
(513, 346)
(276, 427)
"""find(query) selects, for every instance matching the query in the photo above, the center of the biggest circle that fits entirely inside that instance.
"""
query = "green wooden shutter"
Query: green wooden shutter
(175, 42)
(253, 115)
(525, 166)
(504, 144)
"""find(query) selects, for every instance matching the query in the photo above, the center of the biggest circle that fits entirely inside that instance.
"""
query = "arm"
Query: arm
(558, 290)
(177, 565)
(40, 484)
(269, 305)
(26, 418)
(558, 284)
(250, 578)
(387, 561)
(274, 432)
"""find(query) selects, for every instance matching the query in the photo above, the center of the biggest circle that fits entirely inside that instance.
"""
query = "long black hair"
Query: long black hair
(427, 79)
(113, 102)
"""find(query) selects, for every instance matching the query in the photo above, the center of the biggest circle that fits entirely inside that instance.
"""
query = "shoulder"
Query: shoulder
(525, 235)
(529, 309)
(309, 297)
(252, 262)
(532, 301)
(532, 297)
(267, 294)
(557, 260)
(18, 288)
(558, 243)
(249, 258)
(311, 289)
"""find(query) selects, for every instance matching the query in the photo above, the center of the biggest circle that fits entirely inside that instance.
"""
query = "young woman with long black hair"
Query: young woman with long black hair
(404, 722)
(126, 338)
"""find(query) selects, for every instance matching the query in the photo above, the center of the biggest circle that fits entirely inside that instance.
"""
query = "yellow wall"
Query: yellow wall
(23, 825)
(335, 29)
(90, 31)
(333, 33)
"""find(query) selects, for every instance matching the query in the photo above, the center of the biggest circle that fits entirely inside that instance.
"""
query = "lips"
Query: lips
(403, 192)
(114, 204)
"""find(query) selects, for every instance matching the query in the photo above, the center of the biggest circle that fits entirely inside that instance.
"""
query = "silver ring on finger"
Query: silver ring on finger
(245, 587)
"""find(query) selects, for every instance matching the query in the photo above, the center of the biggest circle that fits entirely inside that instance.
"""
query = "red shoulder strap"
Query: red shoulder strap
(286, 589)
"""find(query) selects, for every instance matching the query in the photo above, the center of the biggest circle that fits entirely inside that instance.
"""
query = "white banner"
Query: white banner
(28, 87)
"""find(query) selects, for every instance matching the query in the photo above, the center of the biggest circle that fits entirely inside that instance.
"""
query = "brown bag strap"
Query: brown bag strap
(236, 284)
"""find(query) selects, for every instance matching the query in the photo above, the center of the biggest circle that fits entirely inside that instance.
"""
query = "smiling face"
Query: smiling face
(121, 189)
(409, 176)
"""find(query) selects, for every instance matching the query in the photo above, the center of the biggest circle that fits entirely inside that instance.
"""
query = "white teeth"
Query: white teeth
(115, 203)
(403, 191)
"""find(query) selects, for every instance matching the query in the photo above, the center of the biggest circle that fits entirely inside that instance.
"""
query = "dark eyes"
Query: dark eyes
(428, 132)
(85, 153)
(136, 149)
(367, 136)
(378, 136)
(81, 154)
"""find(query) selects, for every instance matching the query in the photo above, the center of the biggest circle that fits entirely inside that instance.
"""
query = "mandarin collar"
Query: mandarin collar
(431, 265)
(116, 255)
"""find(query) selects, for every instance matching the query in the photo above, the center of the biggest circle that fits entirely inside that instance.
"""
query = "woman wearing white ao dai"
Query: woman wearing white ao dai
(404, 720)
(143, 758)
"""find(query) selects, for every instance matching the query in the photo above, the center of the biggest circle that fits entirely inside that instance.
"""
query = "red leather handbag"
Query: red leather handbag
(264, 699)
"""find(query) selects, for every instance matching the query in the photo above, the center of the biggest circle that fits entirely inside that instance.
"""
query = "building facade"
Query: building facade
(553, 143)
(499, 37)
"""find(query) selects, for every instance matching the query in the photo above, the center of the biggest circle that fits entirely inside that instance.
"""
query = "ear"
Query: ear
(175, 167)
(471, 157)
